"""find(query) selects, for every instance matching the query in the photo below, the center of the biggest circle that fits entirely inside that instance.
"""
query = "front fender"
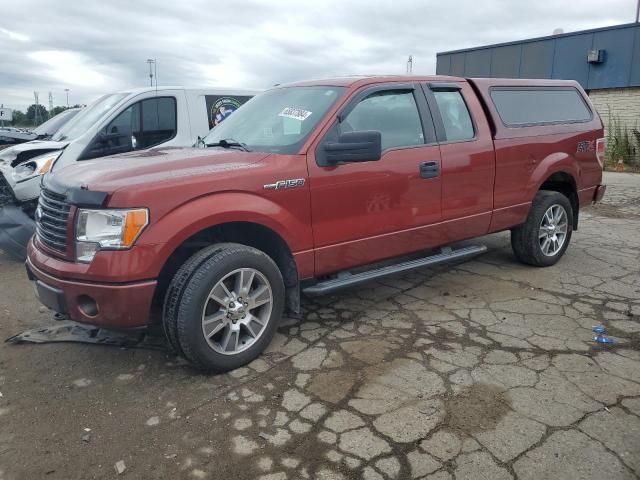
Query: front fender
(169, 232)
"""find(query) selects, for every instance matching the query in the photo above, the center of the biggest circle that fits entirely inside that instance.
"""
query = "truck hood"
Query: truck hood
(150, 168)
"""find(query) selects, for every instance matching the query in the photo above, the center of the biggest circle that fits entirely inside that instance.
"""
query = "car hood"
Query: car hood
(39, 145)
(11, 155)
(150, 168)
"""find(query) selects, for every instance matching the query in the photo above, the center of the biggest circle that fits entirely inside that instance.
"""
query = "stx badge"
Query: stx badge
(280, 184)
(586, 146)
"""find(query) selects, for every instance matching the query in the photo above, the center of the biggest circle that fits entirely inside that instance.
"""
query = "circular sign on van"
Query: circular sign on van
(222, 108)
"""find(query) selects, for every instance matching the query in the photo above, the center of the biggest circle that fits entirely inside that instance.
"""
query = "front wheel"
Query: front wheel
(544, 237)
(223, 306)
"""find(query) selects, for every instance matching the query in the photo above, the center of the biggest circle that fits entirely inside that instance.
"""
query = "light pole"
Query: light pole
(638, 12)
(67, 91)
(152, 65)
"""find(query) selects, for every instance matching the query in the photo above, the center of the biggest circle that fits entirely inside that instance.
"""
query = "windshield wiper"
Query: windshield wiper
(230, 143)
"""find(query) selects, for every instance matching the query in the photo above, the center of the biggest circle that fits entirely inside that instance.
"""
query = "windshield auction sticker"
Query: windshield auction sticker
(295, 113)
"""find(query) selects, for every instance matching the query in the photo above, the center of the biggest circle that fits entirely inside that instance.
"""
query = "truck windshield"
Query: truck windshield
(88, 117)
(54, 124)
(277, 121)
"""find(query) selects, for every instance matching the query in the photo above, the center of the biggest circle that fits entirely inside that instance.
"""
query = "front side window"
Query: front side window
(278, 120)
(455, 116)
(142, 125)
(158, 122)
(393, 113)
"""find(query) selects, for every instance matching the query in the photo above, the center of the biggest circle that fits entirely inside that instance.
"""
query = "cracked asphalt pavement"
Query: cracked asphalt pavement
(481, 370)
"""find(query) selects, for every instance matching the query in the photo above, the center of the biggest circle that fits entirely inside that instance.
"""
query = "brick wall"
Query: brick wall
(623, 102)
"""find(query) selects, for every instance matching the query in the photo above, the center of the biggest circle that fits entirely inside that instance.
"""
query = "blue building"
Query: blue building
(606, 62)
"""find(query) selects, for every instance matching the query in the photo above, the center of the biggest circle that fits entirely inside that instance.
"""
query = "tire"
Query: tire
(529, 240)
(205, 318)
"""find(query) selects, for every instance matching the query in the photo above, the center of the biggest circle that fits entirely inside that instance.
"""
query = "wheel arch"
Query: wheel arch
(564, 183)
(247, 233)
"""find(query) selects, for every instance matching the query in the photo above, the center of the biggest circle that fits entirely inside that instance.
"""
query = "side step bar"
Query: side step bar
(346, 279)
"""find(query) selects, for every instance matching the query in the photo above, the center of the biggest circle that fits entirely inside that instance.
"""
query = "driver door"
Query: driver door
(368, 211)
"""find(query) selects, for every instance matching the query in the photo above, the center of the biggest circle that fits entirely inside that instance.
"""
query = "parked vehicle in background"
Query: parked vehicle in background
(10, 135)
(15, 135)
(121, 122)
(308, 188)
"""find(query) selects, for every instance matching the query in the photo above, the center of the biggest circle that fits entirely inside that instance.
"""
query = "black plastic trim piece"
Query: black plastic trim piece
(444, 86)
(75, 195)
(86, 198)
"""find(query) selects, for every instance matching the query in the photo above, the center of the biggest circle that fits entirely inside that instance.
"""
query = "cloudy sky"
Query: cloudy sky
(94, 47)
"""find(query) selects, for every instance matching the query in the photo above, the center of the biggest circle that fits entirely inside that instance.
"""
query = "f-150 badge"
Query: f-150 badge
(280, 184)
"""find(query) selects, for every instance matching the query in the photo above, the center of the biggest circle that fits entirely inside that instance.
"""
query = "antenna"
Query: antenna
(151, 63)
(410, 65)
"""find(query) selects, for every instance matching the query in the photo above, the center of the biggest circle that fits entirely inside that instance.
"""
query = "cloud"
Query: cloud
(95, 47)
(20, 37)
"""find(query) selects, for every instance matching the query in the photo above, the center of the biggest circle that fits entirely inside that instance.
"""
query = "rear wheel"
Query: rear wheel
(223, 306)
(544, 237)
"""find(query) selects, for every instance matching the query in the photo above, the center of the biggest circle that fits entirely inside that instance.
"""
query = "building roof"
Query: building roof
(547, 37)
(614, 63)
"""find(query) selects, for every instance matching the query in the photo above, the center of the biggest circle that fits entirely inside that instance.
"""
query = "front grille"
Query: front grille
(6, 194)
(52, 219)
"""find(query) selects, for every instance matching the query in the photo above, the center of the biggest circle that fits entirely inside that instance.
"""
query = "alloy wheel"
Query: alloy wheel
(237, 311)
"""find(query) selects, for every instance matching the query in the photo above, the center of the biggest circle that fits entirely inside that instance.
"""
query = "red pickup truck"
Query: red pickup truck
(311, 187)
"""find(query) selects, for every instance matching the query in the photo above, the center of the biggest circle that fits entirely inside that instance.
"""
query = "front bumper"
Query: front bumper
(105, 305)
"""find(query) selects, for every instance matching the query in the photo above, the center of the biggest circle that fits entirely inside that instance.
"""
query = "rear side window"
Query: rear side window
(541, 105)
(455, 116)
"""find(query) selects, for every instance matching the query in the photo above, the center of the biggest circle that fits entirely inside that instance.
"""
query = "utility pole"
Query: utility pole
(35, 118)
(152, 64)
(410, 65)
(50, 104)
(67, 91)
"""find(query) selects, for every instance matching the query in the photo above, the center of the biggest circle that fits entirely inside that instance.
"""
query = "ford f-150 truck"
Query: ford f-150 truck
(311, 187)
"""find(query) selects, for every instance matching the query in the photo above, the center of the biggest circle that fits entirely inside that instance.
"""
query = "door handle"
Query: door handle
(429, 169)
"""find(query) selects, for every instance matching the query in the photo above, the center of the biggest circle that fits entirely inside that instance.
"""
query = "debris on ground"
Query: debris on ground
(600, 330)
(70, 331)
(120, 467)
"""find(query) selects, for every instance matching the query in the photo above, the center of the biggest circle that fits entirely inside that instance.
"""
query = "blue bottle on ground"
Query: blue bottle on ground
(603, 339)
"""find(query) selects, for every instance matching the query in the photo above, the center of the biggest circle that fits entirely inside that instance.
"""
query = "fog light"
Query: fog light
(85, 251)
(87, 305)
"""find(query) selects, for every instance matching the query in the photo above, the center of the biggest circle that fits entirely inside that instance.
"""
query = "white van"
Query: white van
(119, 122)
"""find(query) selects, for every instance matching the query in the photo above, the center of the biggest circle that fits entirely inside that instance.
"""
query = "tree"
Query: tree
(57, 110)
(19, 119)
(41, 114)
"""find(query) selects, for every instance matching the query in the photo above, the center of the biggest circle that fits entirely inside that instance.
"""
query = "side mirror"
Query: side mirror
(364, 146)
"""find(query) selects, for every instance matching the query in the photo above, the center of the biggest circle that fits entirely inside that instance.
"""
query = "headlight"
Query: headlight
(35, 166)
(108, 230)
